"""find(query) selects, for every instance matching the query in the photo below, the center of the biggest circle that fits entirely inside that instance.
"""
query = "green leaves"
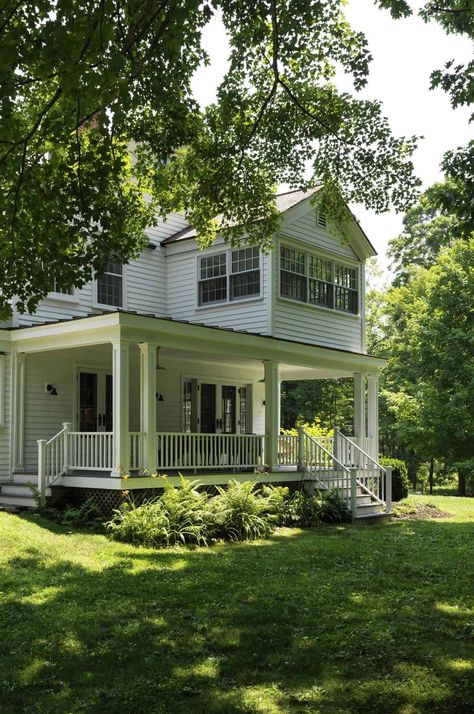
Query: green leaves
(81, 82)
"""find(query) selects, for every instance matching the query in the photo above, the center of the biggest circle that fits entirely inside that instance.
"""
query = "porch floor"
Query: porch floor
(212, 478)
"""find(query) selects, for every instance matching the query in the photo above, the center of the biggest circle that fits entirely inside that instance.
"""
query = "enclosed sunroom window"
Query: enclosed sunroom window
(317, 280)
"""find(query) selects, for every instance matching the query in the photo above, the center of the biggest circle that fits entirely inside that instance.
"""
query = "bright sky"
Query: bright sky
(404, 52)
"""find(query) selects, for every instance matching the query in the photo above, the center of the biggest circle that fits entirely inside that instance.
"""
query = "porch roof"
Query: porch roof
(134, 327)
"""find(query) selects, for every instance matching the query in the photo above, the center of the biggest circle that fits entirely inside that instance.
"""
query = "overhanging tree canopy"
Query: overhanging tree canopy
(82, 79)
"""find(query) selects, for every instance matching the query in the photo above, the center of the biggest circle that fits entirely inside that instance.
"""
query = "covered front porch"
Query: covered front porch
(136, 398)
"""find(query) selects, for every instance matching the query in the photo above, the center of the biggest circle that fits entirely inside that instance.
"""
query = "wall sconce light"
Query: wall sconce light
(51, 390)
(158, 365)
(159, 397)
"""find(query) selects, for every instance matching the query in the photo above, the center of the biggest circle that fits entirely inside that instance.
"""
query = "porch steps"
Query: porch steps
(16, 494)
(368, 510)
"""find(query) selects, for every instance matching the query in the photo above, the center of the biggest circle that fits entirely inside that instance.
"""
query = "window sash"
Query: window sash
(316, 280)
(110, 285)
(236, 276)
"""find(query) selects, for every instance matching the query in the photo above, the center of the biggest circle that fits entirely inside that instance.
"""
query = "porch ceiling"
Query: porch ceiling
(297, 360)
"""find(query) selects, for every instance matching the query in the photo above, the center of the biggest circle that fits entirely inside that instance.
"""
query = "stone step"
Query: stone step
(17, 501)
(11, 488)
(25, 478)
(373, 508)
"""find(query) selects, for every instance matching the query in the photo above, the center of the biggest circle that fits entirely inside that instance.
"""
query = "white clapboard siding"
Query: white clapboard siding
(307, 323)
(44, 413)
(145, 284)
(182, 285)
(5, 415)
(305, 228)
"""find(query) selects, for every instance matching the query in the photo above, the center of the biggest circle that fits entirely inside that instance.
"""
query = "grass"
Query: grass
(342, 619)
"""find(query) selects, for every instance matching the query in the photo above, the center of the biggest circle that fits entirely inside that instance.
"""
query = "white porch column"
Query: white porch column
(18, 412)
(373, 415)
(359, 409)
(120, 376)
(272, 406)
(148, 403)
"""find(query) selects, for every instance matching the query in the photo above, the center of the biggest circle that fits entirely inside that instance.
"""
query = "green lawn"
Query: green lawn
(348, 619)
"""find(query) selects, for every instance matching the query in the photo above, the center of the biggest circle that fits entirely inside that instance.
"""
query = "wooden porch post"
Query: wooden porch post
(272, 406)
(121, 367)
(359, 409)
(18, 412)
(148, 403)
(373, 415)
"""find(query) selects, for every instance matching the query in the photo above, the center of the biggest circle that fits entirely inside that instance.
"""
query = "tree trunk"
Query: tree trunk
(430, 476)
(461, 483)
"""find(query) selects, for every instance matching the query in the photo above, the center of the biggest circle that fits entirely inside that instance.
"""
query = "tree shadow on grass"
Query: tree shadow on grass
(336, 620)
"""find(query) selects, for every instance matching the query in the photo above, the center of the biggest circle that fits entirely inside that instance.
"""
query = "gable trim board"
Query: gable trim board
(292, 204)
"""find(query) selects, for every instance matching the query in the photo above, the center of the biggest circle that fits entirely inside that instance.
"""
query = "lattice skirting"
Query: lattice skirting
(107, 499)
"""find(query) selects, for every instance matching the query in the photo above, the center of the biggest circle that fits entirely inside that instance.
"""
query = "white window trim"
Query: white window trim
(3, 394)
(227, 302)
(325, 256)
(219, 382)
(64, 297)
(101, 306)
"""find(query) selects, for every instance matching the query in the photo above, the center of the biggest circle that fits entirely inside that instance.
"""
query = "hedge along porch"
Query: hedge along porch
(139, 416)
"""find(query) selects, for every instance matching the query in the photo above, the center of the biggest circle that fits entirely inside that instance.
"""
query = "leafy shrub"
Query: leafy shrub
(240, 512)
(276, 504)
(304, 509)
(88, 516)
(334, 509)
(400, 482)
(314, 429)
(184, 515)
(179, 516)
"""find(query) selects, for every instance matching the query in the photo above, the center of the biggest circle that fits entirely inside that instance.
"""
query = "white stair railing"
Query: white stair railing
(372, 477)
(52, 459)
(330, 473)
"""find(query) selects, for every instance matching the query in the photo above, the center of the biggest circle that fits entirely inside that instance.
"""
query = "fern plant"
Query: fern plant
(240, 512)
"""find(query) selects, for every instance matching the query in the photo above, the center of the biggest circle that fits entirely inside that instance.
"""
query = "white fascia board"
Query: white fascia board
(82, 332)
(167, 333)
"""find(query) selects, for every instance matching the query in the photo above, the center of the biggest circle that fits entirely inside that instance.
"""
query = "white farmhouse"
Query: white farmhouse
(173, 363)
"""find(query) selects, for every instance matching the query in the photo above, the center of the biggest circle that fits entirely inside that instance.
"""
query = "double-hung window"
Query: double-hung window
(228, 276)
(293, 274)
(110, 285)
(60, 289)
(318, 280)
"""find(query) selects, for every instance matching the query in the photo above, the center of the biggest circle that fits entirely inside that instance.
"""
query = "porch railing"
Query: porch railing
(91, 451)
(137, 450)
(204, 451)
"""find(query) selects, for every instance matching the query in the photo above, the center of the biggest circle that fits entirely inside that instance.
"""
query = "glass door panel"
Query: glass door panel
(95, 401)
(229, 407)
(208, 409)
(88, 401)
(108, 415)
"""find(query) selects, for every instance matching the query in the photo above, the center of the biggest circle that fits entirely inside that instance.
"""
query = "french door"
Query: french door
(95, 390)
(222, 408)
